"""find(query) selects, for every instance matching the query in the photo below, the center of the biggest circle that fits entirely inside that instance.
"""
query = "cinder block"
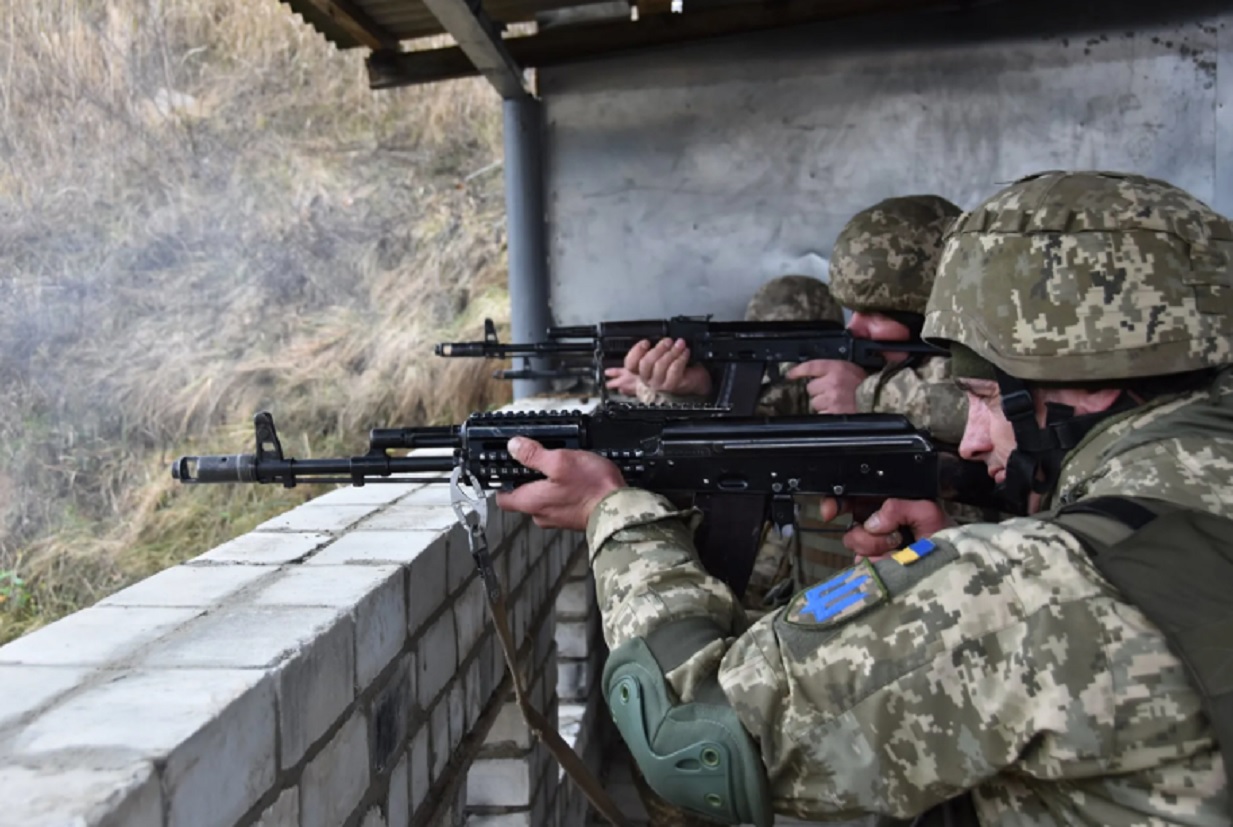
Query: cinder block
(189, 586)
(263, 548)
(499, 782)
(575, 678)
(389, 718)
(336, 779)
(328, 518)
(428, 496)
(56, 794)
(397, 806)
(94, 637)
(439, 720)
(213, 730)
(518, 557)
(28, 688)
(581, 566)
(314, 689)
(373, 594)
(285, 812)
(460, 562)
(560, 556)
(363, 548)
(509, 728)
(255, 636)
(487, 676)
(437, 656)
(573, 639)
(372, 494)
(409, 516)
(457, 714)
(426, 592)
(470, 614)
(576, 597)
(420, 776)
(472, 703)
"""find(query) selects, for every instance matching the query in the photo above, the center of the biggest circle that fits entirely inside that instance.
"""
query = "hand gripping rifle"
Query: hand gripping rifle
(740, 471)
(737, 353)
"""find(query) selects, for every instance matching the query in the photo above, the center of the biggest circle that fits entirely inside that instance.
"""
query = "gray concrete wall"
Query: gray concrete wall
(678, 184)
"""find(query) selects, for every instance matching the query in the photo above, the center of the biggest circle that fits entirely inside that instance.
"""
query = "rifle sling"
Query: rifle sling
(539, 725)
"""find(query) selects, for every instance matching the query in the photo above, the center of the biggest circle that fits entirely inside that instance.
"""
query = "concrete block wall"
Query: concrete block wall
(336, 667)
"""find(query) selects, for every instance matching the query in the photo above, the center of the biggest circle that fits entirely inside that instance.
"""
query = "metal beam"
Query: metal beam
(480, 42)
(570, 44)
(351, 20)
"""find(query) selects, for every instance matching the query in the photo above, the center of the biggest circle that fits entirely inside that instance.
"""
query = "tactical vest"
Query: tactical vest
(1175, 565)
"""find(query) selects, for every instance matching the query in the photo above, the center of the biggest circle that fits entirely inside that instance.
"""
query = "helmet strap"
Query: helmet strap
(1036, 463)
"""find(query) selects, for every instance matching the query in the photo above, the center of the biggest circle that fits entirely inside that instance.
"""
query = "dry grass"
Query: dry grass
(202, 215)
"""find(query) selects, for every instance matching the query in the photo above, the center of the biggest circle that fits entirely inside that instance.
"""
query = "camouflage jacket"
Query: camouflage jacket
(997, 661)
(924, 394)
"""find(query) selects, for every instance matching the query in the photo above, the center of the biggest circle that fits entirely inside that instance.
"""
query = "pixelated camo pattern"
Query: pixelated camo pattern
(885, 257)
(1080, 276)
(1014, 669)
(793, 299)
(924, 394)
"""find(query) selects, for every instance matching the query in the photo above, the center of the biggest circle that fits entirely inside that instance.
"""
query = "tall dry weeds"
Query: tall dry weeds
(203, 213)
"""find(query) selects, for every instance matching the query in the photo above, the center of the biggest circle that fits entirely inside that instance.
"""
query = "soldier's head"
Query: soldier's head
(1068, 298)
(883, 264)
(793, 299)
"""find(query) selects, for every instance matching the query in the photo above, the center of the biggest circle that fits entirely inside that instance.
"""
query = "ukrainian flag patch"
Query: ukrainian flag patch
(839, 599)
(908, 556)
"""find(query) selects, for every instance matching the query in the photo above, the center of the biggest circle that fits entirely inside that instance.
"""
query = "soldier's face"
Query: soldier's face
(988, 436)
(881, 328)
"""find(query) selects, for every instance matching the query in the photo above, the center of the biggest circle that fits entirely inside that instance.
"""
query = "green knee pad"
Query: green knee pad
(696, 755)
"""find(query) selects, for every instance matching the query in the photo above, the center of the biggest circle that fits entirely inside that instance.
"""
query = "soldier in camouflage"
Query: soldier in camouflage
(882, 268)
(787, 298)
(991, 673)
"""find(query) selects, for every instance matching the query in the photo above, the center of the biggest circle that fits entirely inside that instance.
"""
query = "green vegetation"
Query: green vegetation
(204, 212)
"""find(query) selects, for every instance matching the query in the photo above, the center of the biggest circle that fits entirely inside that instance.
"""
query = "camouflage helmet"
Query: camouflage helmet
(1088, 276)
(793, 299)
(885, 257)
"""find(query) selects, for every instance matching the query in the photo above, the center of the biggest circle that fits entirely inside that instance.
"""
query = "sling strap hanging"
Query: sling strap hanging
(472, 511)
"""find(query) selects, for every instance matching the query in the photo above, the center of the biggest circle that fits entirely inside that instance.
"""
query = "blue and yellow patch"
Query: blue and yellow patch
(839, 599)
(908, 556)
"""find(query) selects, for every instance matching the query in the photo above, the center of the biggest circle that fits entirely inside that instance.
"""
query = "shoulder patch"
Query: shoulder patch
(837, 600)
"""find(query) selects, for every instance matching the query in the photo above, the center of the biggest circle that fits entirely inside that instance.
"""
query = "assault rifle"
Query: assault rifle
(740, 471)
(737, 353)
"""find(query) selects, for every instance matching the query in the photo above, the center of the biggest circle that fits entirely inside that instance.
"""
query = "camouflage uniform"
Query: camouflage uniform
(993, 658)
(787, 298)
(884, 261)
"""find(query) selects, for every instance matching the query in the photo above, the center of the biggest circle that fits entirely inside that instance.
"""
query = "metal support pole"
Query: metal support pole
(524, 221)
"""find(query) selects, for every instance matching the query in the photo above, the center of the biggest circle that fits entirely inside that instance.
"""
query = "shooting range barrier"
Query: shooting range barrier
(335, 666)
